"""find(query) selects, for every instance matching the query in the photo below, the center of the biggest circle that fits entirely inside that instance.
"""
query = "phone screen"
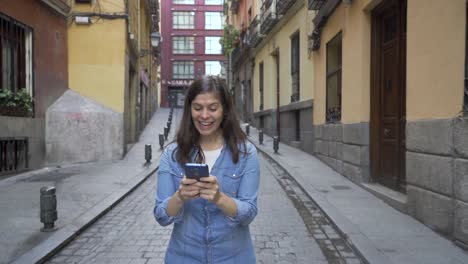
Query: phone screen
(196, 170)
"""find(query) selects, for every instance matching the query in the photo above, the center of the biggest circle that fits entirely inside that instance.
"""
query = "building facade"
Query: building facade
(112, 81)
(382, 93)
(32, 69)
(191, 30)
(272, 69)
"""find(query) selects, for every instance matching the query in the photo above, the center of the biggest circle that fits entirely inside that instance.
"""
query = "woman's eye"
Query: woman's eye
(213, 109)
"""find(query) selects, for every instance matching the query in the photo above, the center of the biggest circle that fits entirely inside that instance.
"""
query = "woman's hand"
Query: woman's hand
(209, 189)
(188, 189)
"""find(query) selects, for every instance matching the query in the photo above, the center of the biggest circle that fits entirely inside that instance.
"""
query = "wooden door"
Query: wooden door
(388, 94)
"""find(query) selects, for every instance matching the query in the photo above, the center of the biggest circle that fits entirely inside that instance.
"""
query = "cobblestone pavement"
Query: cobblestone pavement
(283, 232)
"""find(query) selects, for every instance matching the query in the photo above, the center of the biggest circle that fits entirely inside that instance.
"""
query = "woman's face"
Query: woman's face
(207, 113)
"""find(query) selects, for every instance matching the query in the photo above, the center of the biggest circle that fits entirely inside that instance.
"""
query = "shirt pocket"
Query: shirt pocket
(231, 182)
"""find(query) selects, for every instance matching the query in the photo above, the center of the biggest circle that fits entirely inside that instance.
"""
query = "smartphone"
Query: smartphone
(196, 170)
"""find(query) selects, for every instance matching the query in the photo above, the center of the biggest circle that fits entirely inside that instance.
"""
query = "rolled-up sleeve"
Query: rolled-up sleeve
(165, 189)
(246, 200)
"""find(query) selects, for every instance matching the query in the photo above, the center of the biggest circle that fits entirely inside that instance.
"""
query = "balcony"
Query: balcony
(254, 36)
(316, 4)
(283, 6)
(234, 6)
(235, 55)
(268, 16)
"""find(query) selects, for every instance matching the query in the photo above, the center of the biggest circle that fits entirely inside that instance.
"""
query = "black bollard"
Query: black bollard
(247, 129)
(48, 208)
(166, 132)
(260, 136)
(148, 155)
(161, 141)
(275, 144)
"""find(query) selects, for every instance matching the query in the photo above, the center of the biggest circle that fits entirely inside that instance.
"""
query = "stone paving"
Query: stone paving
(129, 234)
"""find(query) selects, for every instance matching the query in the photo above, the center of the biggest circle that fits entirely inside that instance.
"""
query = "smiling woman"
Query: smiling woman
(211, 217)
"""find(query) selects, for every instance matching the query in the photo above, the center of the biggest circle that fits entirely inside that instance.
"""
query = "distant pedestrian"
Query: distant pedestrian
(211, 217)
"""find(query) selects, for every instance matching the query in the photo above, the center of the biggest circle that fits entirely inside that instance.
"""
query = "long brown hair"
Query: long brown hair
(188, 137)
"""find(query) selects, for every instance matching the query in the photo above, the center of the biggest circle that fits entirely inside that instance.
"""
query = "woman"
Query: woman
(211, 216)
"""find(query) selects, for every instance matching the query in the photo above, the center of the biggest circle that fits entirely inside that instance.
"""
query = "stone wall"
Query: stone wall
(79, 129)
(345, 148)
(437, 175)
(288, 118)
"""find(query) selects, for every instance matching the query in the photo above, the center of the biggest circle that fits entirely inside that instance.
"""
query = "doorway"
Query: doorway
(388, 94)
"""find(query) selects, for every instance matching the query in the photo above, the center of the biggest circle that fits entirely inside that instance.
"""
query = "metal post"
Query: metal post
(247, 129)
(161, 141)
(48, 208)
(148, 155)
(275, 144)
(166, 132)
(260, 136)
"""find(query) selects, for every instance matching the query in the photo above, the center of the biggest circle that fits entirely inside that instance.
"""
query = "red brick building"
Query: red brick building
(191, 30)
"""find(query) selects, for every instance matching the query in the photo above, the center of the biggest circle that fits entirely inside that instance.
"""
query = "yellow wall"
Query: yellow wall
(281, 41)
(96, 57)
(435, 58)
(96, 62)
(355, 25)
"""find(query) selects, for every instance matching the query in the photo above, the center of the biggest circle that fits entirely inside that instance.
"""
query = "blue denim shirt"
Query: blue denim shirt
(202, 233)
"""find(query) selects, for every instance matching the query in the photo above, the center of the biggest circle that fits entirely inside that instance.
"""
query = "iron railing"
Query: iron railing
(283, 6)
(316, 4)
(254, 36)
(268, 16)
(13, 155)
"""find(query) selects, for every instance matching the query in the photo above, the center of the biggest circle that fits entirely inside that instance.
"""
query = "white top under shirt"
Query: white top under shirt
(211, 156)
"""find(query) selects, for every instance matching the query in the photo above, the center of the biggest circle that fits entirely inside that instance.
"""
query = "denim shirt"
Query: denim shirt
(202, 233)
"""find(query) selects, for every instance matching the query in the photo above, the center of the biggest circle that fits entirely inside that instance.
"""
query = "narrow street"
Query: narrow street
(288, 229)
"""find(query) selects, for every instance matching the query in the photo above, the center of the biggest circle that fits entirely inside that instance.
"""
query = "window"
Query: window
(213, 67)
(15, 55)
(261, 85)
(214, 2)
(212, 45)
(183, 45)
(213, 20)
(183, 20)
(183, 70)
(183, 2)
(333, 106)
(295, 93)
(465, 101)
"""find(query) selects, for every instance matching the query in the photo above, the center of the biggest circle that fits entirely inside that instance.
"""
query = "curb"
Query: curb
(363, 246)
(61, 237)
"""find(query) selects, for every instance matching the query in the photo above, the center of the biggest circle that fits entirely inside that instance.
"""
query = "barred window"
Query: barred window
(183, 45)
(213, 20)
(15, 55)
(295, 93)
(333, 113)
(261, 86)
(212, 45)
(183, 20)
(465, 101)
(183, 70)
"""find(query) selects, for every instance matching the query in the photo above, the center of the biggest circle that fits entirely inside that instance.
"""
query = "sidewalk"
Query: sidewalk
(379, 232)
(84, 193)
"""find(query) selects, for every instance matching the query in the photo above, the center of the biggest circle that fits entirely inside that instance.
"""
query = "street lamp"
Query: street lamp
(155, 40)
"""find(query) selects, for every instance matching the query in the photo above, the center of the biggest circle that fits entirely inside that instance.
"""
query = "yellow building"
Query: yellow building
(388, 103)
(112, 80)
(374, 88)
(272, 69)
